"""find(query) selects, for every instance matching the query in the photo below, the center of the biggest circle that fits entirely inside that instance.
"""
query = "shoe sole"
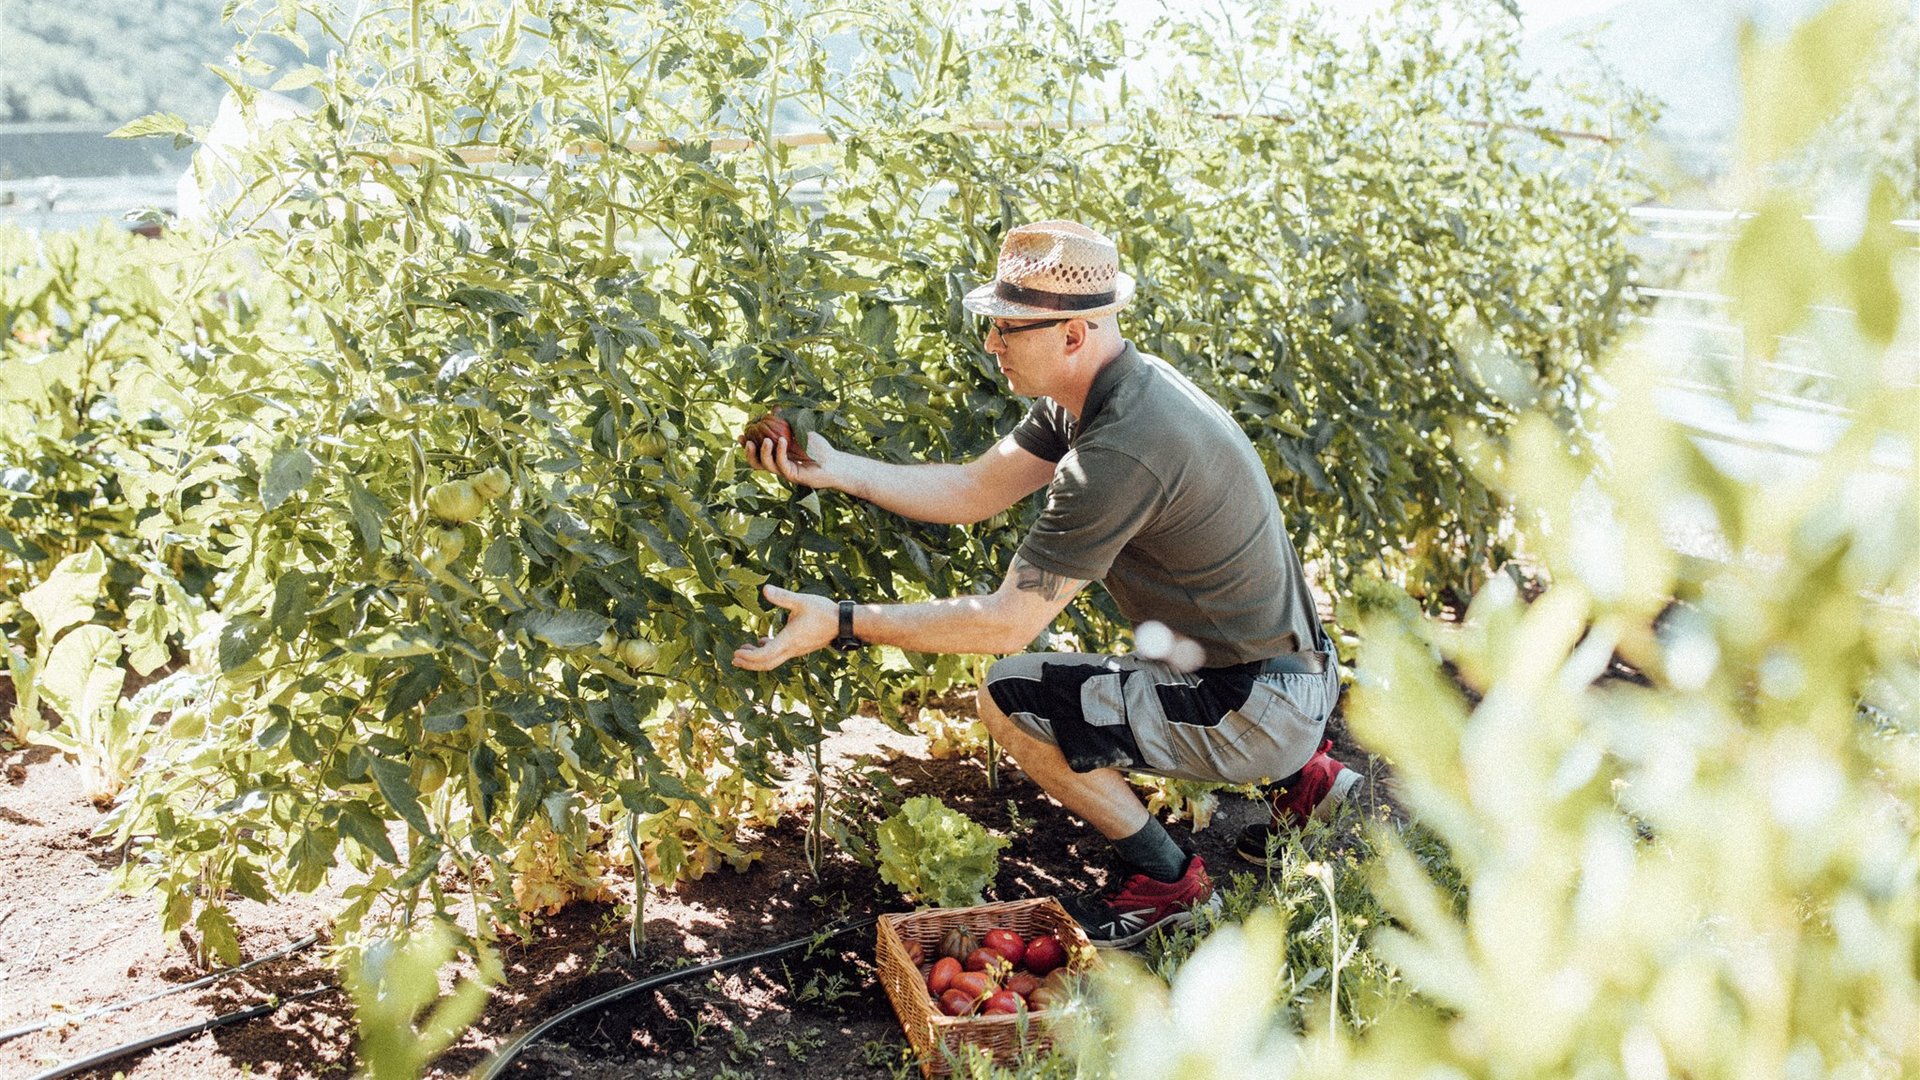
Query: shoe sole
(1177, 919)
(1343, 785)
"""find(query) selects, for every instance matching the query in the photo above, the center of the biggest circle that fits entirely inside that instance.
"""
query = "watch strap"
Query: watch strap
(847, 639)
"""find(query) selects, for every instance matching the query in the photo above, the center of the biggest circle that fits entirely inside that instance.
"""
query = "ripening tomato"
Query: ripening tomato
(985, 959)
(773, 427)
(941, 977)
(956, 1003)
(1046, 997)
(1006, 943)
(958, 943)
(1045, 953)
(1004, 1001)
(1022, 983)
(975, 984)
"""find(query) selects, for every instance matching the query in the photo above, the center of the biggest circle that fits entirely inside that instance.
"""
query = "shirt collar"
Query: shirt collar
(1104, 382)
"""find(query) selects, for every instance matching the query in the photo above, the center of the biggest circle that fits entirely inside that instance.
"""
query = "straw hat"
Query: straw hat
(1053, 268)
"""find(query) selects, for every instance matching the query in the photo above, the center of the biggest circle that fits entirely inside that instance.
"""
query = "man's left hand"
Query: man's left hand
(813, 623)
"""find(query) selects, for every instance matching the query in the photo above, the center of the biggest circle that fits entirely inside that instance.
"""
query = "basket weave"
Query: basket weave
(933, 1033)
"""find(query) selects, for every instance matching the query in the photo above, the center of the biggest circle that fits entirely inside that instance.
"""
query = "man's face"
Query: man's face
(1028, 350)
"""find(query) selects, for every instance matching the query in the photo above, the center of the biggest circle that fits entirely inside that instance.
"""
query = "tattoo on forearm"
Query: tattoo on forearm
(1030, 578)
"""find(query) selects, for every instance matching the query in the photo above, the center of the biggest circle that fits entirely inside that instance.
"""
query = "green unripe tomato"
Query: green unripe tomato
(389, 404)
(428, 774)
(455, 502)
(492, 484)
(651, 444)
(442, 547)
(639, 653)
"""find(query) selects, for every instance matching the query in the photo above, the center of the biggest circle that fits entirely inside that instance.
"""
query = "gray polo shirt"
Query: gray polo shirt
(1158, 494)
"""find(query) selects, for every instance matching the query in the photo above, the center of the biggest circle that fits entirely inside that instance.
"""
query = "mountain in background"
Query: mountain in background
(107, 63)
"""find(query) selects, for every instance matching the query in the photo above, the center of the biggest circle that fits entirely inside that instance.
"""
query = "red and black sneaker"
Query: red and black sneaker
(1324, 783)
(1123, 914)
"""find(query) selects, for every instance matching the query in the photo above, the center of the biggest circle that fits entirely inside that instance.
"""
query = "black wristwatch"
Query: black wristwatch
(846, 640)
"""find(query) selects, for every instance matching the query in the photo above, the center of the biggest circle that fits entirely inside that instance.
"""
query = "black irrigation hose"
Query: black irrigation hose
(27, 1029)
(177, 1034)
(512, 1050)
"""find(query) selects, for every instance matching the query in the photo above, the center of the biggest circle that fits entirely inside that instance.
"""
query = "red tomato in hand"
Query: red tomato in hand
(772, 427)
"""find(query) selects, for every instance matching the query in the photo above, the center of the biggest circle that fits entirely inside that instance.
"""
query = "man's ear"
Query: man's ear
(1077, 333)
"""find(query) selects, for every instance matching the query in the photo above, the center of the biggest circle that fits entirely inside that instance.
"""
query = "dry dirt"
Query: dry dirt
(69, 943)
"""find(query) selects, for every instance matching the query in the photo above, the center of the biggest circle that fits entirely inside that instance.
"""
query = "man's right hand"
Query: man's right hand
(772, 455)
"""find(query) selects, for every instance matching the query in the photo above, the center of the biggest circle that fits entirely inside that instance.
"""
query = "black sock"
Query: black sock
(1153, 852)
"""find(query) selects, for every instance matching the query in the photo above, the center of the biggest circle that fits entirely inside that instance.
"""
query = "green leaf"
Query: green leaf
(82, 677)
(290, 471)
(246, 881)
(563, 628)
(1869, 269)
(1790, 90)
(145, 636)
(396, 785)
(67, 595)
(446, 713)
(412, 688)
(1774, 272)
(241, 639)
(299, 78)
(310, 857)
(156, 123)
(396, 641)
(292, 599)
(360, 824)
(217, 936)
(368, 514)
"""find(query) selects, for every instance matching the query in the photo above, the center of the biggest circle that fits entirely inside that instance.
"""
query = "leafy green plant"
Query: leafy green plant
(505, 250)
(403, 1020)
(937, 854)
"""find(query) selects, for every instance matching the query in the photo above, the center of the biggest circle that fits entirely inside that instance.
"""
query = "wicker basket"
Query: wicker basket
(932, 1032)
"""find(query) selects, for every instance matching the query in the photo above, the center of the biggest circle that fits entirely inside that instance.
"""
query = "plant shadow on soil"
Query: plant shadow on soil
(809, 1013)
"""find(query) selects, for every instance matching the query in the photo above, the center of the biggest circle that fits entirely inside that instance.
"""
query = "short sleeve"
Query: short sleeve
(1097, 502)
(1041, 433)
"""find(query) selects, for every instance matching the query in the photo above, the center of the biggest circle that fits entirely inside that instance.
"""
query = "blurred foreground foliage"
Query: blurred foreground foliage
(1711, 868)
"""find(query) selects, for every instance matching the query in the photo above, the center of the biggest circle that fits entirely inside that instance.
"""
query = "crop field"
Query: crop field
(377, 543)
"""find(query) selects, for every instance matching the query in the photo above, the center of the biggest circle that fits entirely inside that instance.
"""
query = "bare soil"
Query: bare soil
(70, 943)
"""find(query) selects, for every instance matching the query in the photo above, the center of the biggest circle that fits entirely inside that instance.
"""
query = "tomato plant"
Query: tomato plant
(493, 423)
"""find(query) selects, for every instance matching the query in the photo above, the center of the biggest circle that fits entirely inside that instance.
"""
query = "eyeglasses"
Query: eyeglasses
(987, 326)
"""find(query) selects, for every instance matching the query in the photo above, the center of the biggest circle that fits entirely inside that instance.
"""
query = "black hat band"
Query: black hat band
(1052, 301)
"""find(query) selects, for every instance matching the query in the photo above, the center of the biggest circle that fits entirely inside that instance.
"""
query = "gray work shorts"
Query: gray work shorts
(1224, 725)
